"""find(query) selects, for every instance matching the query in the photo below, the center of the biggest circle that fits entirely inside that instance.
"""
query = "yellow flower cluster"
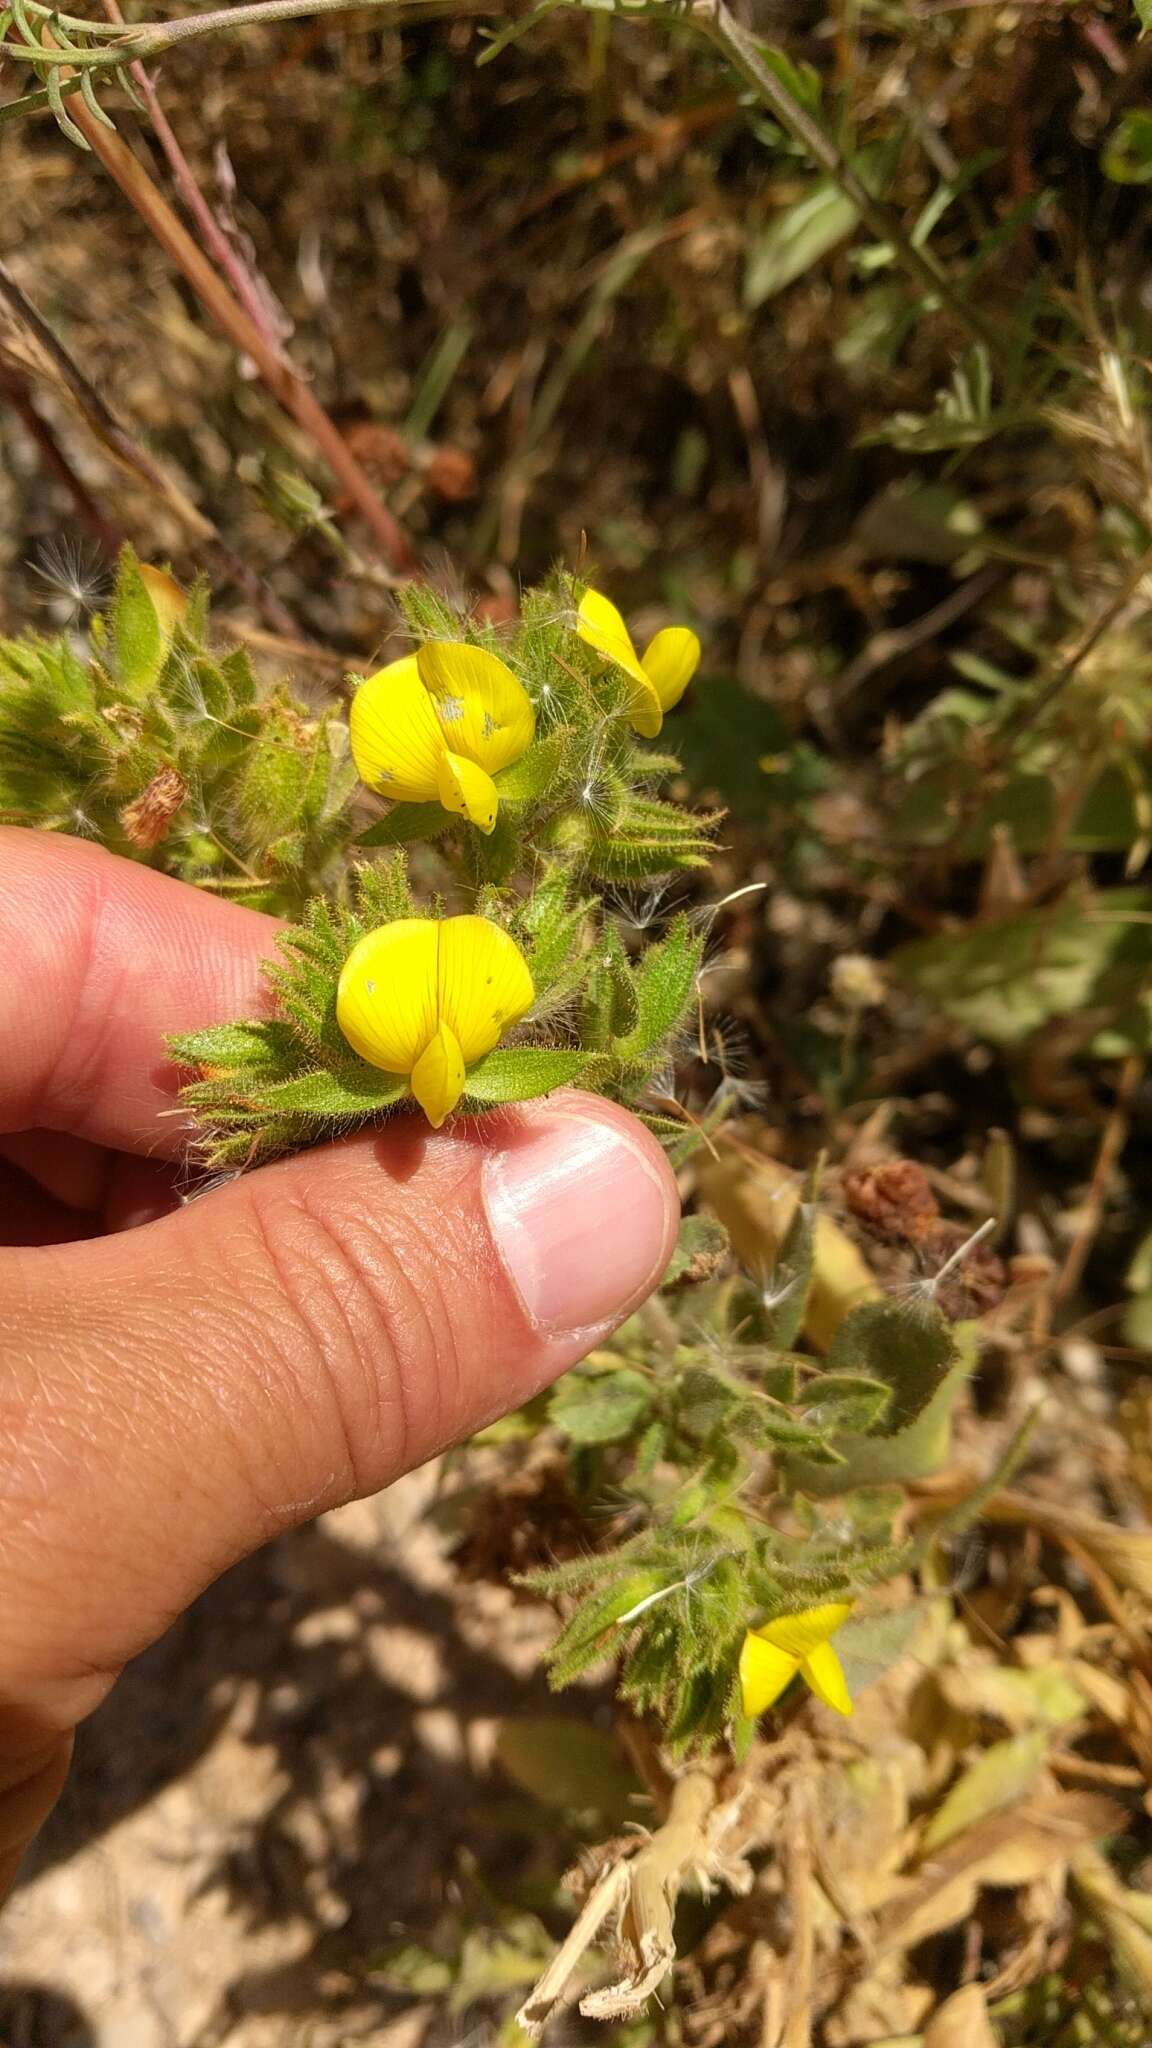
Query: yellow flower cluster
(426, 998)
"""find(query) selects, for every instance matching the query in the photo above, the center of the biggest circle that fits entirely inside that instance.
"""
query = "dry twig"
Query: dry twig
(641, 1891)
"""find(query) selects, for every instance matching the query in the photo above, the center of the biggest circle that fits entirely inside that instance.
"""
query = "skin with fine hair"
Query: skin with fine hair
(182, 1380)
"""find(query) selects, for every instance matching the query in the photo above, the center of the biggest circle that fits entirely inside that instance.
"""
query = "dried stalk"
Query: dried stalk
(95, 412)
(286, 386)
(215, 241)
(641, 1891)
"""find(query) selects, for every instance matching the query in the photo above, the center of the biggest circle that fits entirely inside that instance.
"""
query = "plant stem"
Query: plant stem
(712, 20)
(145, 40)
(164, 35)
(285, 384)
(216, 242)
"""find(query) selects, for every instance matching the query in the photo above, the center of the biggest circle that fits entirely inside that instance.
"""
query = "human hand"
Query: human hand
(180, 1383)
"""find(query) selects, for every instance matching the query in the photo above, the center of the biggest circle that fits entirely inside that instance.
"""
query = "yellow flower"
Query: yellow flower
(793, 1643)
(438, 725)
(427, 997)
(660, 675)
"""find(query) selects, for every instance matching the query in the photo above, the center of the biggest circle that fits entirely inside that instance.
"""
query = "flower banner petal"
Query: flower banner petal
(764, 1673)
(396, 740)
(483, 983)
(438, 1076)
(386, 1002)
(468, 790)
(799, 1634)
(825, 1674)
(600, 624)
(484, 711)
(670, 661)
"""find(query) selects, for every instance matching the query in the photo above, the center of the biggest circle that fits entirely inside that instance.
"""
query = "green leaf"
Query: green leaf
(610, 1011)
(233, 1047)
(140, 642)
(1106, 820)
(567, 1764)
(406, 822)
(551, 929)
(703, 1402)
(417, 1971)
(665, 981)
(801, 80)
(798, 238)
(1126, 157)
(356, 1093)
(915, 1353)
(1003, 981)
(909, 1346)
(516, 1073)
(844, 1403)
(1004, 1774)
(737, 747)
(600, 1408)
(535, 772)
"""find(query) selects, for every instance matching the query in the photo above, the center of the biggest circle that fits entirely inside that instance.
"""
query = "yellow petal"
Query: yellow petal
(600, 624)
(386, 1002)
(824, 1672)
(468, 790)
(484, 984)
(764, 1673)
(670, 661)
(485, 713)
(799, 1634)
(396, 741)
(438, 1076)
(644, 713)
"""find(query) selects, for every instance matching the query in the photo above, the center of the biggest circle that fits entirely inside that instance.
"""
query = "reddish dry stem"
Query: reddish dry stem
(281, 379)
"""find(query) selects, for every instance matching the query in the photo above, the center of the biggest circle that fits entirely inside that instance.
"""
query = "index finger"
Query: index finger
(102, 958)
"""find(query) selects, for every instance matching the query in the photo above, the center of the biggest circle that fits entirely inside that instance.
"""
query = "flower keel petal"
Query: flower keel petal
(468, 790)
(644, 713)
(823, 1671)
(438, 1076)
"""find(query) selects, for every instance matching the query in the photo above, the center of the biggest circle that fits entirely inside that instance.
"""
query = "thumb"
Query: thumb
(182, 1391)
